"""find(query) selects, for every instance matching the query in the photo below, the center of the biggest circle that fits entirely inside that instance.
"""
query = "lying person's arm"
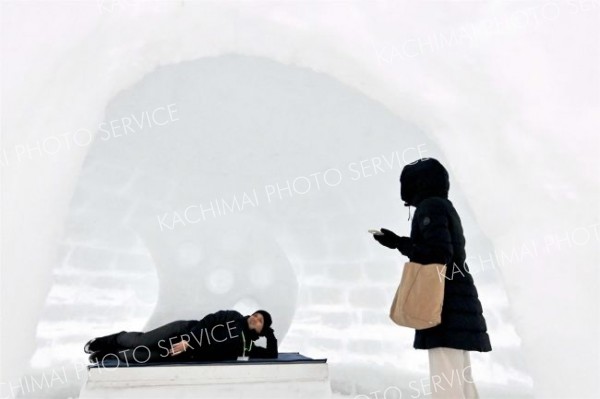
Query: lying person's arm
(270, 352)
(215, 324)
(206, 335)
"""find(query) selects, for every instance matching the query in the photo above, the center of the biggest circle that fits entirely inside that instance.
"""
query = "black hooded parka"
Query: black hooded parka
(437, 237)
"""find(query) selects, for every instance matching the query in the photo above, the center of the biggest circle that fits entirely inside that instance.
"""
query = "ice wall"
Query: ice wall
(486, 84)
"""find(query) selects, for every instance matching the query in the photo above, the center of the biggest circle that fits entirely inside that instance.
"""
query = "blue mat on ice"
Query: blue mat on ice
(285, 357)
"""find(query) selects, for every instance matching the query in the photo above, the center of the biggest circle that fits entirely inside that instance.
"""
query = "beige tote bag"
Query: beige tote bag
(420, 296)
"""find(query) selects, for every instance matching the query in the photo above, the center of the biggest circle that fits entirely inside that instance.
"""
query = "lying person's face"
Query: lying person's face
(255, 322)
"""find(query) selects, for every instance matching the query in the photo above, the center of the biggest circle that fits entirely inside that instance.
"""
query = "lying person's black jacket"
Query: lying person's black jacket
(220, 336)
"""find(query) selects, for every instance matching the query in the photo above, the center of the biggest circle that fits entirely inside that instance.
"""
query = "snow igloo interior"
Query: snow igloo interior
(169, 159)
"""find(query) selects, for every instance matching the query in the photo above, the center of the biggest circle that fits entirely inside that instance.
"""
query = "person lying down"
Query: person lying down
(224, 335)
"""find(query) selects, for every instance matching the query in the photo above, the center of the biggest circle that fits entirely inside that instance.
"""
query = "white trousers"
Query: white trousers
(450, 374)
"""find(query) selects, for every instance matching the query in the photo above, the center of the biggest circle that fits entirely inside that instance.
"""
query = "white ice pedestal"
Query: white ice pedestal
(240, 380)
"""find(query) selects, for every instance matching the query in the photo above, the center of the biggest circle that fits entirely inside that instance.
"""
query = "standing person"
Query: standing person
(223, 335)
(436, 236)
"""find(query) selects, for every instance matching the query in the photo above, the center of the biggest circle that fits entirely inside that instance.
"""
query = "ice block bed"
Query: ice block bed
(291, 375)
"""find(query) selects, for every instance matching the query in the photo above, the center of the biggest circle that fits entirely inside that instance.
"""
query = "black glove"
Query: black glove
(393, 241)
(267, 332)
(388, 238)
